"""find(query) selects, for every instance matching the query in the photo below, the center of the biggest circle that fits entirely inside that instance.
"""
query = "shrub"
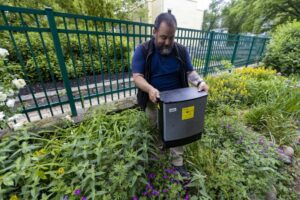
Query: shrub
(81, 60)
(103, 158)
(284, 49)
(238, 163)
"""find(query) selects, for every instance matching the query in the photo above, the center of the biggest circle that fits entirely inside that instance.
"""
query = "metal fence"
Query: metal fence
(74, 61)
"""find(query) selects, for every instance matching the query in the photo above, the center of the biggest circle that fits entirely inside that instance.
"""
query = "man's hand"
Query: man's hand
(203, 87)
(153, 94)
(197, 81)
(141, 83)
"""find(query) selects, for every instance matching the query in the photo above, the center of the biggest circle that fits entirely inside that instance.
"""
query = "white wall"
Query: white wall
(187, 12)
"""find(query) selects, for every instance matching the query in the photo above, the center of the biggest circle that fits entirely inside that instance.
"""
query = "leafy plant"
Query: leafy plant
(284, 49)
(104, 157)
(10, 84)
(236, 162)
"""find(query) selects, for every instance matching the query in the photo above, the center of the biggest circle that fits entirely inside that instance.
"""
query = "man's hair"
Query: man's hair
(167, 18)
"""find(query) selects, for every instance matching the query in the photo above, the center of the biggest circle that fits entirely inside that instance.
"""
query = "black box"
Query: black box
(181, 115)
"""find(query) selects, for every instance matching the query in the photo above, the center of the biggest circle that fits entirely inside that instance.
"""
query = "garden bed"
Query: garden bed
(251, 114)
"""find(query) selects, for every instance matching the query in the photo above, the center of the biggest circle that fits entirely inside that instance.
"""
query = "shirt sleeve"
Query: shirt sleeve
(188, 61)
(138, 61)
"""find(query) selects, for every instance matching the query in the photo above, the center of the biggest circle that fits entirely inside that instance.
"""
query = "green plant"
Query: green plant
(236, 162)
(10, 84)
(227, 65)
(104, 157)
(284, 49)
(93, 55)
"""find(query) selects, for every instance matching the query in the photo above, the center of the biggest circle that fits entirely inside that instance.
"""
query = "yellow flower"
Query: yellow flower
(41, 152)
(13, 197)
(61, 170)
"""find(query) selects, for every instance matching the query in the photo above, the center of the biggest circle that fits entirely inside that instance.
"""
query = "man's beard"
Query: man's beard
(166, 51)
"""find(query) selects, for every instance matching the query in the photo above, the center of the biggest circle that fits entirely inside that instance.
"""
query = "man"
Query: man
(161, 64)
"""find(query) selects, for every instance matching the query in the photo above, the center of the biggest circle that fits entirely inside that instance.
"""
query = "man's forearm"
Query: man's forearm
(141, 83)
(194, 78)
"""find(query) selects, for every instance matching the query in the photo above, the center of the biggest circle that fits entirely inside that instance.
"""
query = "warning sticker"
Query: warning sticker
(188, 112)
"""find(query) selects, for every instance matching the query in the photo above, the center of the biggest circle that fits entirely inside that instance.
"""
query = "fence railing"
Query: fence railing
(74, 61)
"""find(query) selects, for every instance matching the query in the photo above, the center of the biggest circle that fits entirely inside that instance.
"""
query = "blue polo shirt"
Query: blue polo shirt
(165, 70)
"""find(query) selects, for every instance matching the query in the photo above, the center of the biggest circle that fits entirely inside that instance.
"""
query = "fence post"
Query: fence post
(262, 49)
(253, 39)
(235, 49)
(61, 60)
(208, 53)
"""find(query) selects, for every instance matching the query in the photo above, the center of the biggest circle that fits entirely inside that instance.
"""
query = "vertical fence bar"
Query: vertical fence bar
(84, 66)
(22, 62)
(262, 49)
(92, 60)
(49, 65)
(36, 66)
(73, 62)
(128, 59)
(61, 60)
(208, 54)
(249, 55)
(100, 60)
(115, 64)
(235, 49)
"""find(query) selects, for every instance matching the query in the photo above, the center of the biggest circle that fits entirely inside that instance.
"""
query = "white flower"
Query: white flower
(10, 93)
(3, 52)
(2, 96)
(19, 83)
(10, 103)
(2, 115)
(17, 126)
(15, 117)
(69, 118)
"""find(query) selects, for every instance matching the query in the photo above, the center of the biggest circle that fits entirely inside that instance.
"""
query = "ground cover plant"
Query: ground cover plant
(251, 114)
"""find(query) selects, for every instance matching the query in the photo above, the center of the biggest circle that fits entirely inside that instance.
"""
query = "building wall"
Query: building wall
(187, 12)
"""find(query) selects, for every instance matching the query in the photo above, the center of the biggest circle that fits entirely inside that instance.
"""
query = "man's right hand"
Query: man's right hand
(153, 94)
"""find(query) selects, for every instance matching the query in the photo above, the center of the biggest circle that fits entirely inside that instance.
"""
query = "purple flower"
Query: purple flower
(228, 126)
(186, 197)
(261, 141)
(166, 177)
(151, 176)
(155, 193)
(135, 198)
(280, 150)
(170, 171)
(149, 186)
(165, 190)
(66, 197)
(77, 192)
(83, 198)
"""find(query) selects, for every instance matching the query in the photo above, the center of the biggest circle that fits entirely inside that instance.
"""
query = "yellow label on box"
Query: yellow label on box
(188, 112)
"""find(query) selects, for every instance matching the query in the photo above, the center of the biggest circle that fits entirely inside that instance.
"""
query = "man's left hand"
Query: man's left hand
(203, 87)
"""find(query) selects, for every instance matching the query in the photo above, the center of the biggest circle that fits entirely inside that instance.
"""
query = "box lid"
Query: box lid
(181, 94)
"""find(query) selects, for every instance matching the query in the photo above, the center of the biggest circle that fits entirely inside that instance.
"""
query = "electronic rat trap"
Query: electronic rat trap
(181, 115)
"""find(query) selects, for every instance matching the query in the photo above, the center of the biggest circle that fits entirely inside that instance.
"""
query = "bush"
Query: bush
(102, 158)
(81, 60)
(271, 102)
(237, 162)
(284, 49)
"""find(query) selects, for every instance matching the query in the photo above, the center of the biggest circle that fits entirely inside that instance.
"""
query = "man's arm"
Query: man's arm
(141, 83)
(197, 81)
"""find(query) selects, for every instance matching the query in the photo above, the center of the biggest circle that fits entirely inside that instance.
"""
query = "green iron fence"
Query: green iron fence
(74, 61)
